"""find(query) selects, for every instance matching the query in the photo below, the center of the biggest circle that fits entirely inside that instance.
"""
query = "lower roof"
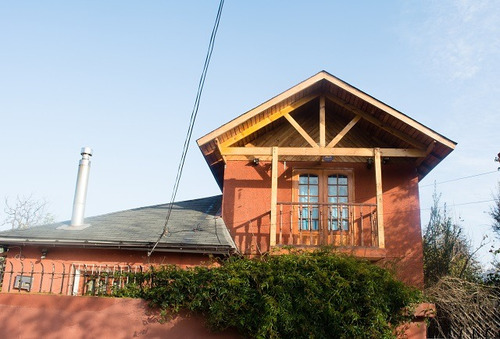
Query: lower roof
(194, 226)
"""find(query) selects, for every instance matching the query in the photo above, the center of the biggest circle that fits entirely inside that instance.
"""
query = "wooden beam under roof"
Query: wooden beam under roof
(429, 150)
(308, 83)
(388, 109)
(377, 122)
(312, 81)
(344, 131)
(217, 143)
(266, 121)
(299, 129)
(324, 151)
(322, 121)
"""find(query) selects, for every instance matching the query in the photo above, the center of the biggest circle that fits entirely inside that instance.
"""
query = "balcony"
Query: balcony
(349, 227)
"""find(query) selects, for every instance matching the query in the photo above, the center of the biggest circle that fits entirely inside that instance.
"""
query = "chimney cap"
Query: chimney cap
(86, 150)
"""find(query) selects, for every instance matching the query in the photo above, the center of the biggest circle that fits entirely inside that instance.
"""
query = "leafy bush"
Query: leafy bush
(297, 295)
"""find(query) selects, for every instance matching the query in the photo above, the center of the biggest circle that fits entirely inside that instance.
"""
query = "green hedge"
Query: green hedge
(297, 295)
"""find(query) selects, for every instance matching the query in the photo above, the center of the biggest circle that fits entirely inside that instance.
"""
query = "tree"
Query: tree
(494, 276)
(495, 210)
(450, 273)
(447, 252)
(26, 212)
(495, 213)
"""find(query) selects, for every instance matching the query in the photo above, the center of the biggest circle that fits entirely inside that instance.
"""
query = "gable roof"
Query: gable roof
(195, 226)
(387, 122)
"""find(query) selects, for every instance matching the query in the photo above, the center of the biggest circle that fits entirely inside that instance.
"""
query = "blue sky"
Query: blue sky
(121, 77)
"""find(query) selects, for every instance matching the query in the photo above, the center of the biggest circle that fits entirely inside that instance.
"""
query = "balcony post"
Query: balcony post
(274, 196)
(380, 203)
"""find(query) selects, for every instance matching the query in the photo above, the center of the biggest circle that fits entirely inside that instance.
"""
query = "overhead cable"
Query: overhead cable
(192, 120)
(457, 179)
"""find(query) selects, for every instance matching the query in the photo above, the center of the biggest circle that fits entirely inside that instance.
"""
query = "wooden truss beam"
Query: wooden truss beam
(377, 122)
(323, 151)
(344, 131)
(266, 121)
(299, 129)
(322, 121)
(217, 143)
(429, 150)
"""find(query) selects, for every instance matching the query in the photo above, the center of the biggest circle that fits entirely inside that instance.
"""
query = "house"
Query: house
(322, 163)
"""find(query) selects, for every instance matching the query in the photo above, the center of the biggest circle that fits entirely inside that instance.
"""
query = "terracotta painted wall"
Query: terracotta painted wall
(48, 316)
(247, 199)
(59, 260)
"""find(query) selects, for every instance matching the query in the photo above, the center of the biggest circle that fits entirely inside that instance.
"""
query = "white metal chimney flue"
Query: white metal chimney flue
(81, 188)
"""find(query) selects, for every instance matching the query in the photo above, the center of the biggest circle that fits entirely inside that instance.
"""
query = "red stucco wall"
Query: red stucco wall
(64, 260)
(105, 256)
(247, 203)
(47, 316)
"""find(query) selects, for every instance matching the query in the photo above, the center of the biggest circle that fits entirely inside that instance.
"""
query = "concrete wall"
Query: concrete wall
(247, 204)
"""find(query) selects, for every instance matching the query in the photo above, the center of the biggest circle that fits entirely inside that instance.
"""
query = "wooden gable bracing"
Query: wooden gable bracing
(342, 130)
(324, 116)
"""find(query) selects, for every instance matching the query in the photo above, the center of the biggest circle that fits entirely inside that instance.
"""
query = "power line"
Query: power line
(457, 179)
(192, 120)
(473, 202)
(363, 198)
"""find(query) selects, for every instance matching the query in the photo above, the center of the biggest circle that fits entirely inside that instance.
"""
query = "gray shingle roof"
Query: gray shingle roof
(194, 225)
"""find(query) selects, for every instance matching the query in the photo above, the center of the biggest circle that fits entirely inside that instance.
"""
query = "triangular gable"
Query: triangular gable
(329, 93)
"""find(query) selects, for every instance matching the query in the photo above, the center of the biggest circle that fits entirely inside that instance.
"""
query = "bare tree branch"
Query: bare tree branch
(25, 212)
(465, 309)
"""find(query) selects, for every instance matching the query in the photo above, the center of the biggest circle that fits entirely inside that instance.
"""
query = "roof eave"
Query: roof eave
(265, 105)
(134, 246)
(324, 75)
(446, 145)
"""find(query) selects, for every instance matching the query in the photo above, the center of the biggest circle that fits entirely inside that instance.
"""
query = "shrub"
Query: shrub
(296, 295)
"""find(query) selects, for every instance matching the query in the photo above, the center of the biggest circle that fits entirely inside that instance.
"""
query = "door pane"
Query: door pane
(313, 190)
(332, 190)
(303, 189)
(342, 191)
(338, 193)
(308, 197)
(332, 180)
(332, 200)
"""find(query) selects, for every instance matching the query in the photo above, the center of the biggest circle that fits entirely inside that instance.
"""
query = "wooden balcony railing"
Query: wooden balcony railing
(334, 224)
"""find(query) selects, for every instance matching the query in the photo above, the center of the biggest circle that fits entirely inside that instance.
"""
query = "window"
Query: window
(320, 196)
(22, 282)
